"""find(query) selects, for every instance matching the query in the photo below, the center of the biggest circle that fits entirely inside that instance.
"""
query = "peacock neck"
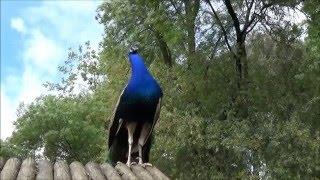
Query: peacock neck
(138, 68)
(141, 85)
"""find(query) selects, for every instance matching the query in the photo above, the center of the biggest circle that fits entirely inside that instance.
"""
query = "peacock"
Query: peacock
(135, 115)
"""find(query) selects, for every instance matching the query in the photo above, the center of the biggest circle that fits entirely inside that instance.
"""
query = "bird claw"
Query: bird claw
(146, 164)
(130, 164)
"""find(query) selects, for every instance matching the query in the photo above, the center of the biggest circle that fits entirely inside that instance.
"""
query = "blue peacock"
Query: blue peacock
(136, 113)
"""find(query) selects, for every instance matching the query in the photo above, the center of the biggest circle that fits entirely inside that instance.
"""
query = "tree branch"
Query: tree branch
(215, 48)
(222, 27)
(234, 18)
(178, 11)
(249, 11)
(252, 27)
(254, 21)
(248, 22)
(163, 46)
(166, 53)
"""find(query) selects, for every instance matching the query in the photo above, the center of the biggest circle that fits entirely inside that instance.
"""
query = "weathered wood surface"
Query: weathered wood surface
(94, 171)
(61, 171)
(125, 172)
(29, 169)
(45, 170)
(109, 172)
(10, 169)
(141, 173)
(78, 171)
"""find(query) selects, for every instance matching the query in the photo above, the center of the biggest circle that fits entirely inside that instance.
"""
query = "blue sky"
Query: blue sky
(35, 37)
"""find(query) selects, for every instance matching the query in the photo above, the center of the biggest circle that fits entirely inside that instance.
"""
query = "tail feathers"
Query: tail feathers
(118, 151)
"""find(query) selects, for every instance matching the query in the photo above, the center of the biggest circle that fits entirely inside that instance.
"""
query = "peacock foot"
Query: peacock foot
(146, 164)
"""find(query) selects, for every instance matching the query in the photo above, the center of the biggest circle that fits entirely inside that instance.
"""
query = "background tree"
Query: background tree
(209, 127)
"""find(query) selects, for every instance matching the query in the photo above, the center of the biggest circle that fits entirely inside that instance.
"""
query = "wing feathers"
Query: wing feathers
(115, 123)
(155, 118)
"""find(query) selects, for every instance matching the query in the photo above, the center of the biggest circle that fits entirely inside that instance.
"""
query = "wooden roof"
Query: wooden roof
(29, 169)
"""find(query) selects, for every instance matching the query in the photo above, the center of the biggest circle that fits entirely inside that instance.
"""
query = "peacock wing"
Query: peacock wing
(115, 120)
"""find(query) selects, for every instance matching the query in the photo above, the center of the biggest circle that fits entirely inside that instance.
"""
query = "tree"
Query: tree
(245, 16)
(201, 133)
(61, 128)
(8, 150)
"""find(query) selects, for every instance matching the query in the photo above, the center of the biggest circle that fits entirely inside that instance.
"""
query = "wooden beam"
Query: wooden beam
(27, 170)
(45, 170)
(10, 169)
(78, 171)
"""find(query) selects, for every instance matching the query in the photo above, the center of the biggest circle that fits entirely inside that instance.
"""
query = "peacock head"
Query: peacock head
(135, 59)
(133, 49)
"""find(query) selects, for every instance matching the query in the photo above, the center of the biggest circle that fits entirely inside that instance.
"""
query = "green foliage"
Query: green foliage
(68, 128)
(8, 150)
(199, 134)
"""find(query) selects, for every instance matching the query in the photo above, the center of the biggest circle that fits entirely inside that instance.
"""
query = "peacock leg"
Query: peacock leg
(144, 135)
(140, 154)
(131, 127)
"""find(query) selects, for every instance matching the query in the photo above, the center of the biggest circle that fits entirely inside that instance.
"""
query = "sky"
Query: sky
(35, 38)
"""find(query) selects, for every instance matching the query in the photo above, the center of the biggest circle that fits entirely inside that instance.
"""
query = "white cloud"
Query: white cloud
(18, 25)
(43, 52)
(31, 86)
(7, 114)
(73, 20)
(52, 28)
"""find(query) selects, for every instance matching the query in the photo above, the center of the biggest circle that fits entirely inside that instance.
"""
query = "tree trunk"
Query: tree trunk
(191, 9)
(242, 78)
(165, 51)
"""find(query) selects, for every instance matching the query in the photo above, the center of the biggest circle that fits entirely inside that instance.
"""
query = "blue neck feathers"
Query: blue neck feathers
(138, 68)
(141, 84)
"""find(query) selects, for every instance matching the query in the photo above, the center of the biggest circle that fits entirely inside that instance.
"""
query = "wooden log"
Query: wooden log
(2, 162)
(61, 171)
(94, 171)
(45, 170)
(125, 172)
(27, 170)
(156, 173)
(109, 172)
(77, 171)
(10, 169)
(140, 172)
